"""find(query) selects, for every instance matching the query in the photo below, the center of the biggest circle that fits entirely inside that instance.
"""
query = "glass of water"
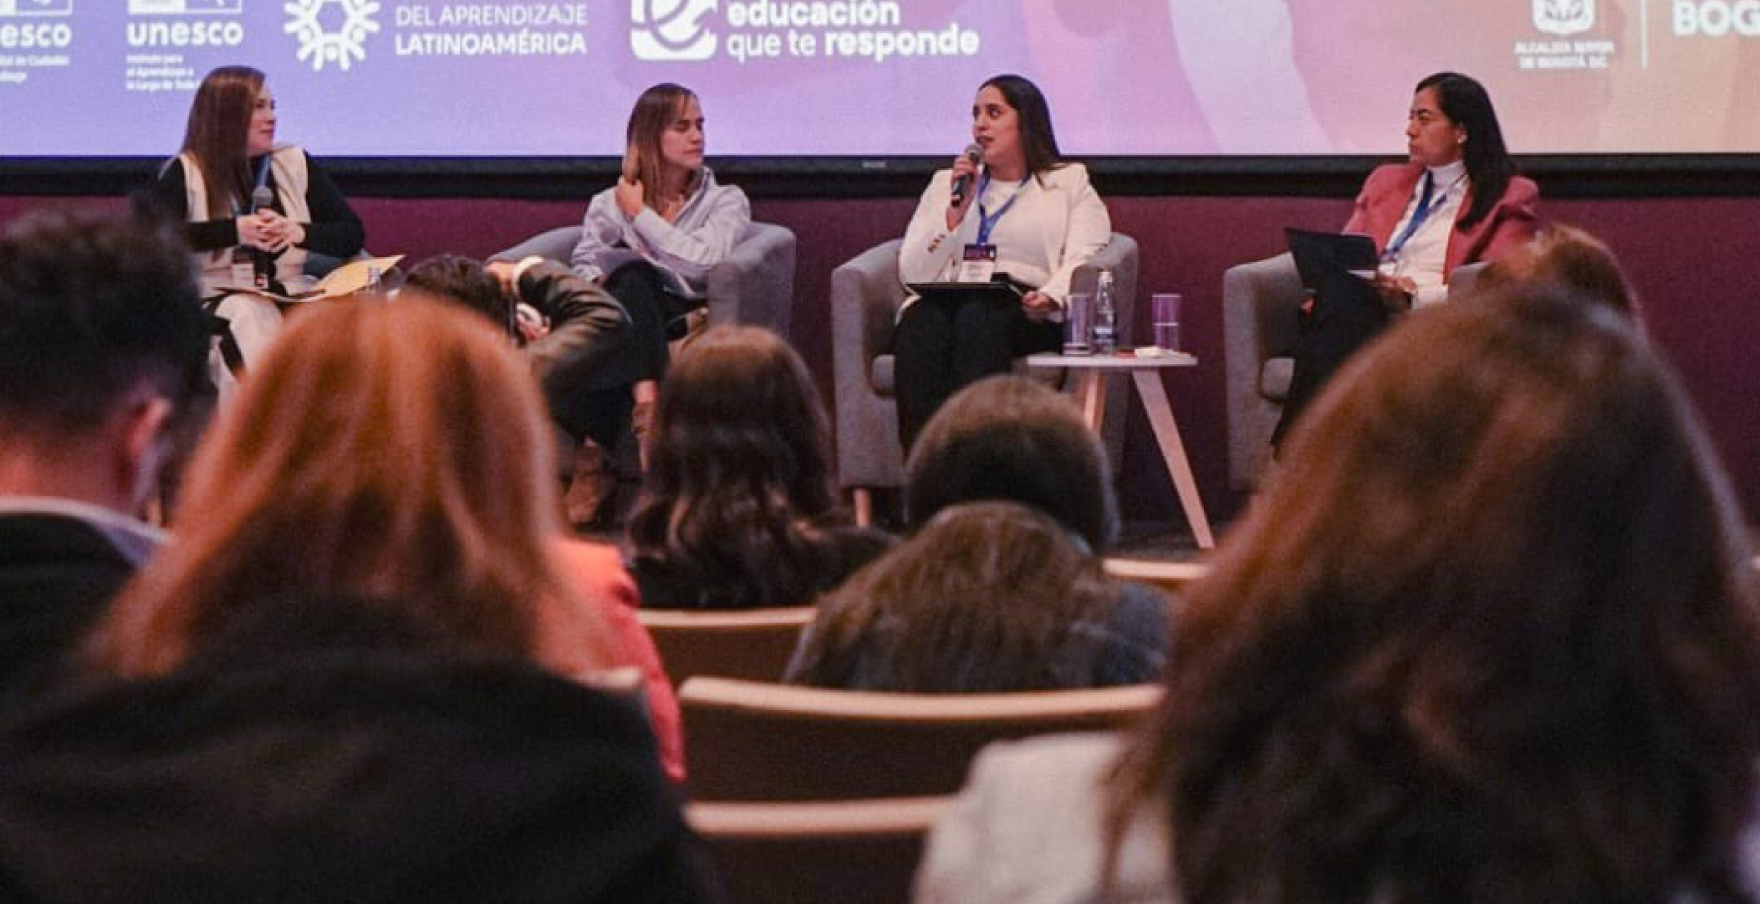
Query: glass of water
(1078, 324)
(1164, 320)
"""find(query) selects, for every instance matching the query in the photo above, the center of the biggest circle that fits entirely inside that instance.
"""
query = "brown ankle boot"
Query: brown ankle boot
(592, 488)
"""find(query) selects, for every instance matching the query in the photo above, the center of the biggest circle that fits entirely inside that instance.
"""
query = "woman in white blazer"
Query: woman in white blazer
(1019, 209)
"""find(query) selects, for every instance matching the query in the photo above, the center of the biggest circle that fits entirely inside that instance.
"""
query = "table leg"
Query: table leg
(1173, 451)
(1091, 390)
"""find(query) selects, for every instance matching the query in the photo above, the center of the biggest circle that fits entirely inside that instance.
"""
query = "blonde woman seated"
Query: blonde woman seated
(1001, 588)
(354, 674)
(1490, 635)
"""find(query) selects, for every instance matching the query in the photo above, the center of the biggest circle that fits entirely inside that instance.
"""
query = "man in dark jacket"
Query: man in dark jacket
(101, 344)
(576, 336)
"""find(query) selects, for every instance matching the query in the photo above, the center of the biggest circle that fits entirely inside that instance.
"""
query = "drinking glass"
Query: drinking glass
(1164, 320)
(1078, 324)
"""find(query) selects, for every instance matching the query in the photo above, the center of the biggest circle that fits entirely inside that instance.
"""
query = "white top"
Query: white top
(1028, 829)
(1425, 255)
(712, 222)
(1057, 224)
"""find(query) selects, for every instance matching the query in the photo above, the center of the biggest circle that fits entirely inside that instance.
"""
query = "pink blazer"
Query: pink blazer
(1388, 190)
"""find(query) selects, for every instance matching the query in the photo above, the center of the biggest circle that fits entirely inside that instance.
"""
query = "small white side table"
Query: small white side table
(1146, 374)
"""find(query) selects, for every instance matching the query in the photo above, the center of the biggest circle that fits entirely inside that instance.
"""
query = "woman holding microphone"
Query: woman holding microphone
(1009, 205)
(651, 238)
(254, 208)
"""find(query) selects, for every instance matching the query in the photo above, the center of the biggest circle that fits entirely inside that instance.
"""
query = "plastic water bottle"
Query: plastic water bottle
(1105, 315)
(375, 282)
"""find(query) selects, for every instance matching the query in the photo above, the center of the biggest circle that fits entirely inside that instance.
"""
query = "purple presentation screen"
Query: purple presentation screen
(802, 78)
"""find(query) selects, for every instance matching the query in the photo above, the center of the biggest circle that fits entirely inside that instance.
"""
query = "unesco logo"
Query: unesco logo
(1564, 17)
(331, 35)
(670, 30)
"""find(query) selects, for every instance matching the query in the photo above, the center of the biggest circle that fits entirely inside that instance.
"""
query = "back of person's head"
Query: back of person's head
(740, 459)
(1008, 438)
(1569, 259)
(394, 453)
(982, 599)
(464, 281)
(98, 312)
(1490, 632)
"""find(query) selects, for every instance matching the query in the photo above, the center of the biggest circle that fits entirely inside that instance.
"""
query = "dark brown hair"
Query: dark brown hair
(981, 600)
(1008, 438)
(1038, 139)
(1490, 635)
(1489, 167)
(740, 472)
(218, 133)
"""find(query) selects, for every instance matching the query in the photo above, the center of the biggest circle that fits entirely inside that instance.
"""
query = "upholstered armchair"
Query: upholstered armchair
(865, 297)
(1259, 304)
(755, 285)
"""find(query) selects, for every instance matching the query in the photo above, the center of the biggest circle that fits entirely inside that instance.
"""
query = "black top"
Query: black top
(57, 573)
(325, 751)
(334, 229)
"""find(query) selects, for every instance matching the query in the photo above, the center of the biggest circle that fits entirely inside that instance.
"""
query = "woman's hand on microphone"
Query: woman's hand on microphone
(968, 168)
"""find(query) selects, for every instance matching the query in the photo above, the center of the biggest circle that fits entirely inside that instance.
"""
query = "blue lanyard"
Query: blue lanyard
(1427, 204)
(986, 219)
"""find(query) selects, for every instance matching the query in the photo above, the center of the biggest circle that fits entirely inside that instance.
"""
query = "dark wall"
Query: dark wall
(1696, 262)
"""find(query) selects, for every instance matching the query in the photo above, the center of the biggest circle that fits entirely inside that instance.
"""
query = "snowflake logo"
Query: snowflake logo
(321, 45)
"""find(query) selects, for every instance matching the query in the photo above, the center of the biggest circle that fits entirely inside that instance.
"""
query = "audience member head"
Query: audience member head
(1490, 633)
(1570, 259)
(981, 600)
(664, 140)
(231, 119)
(1036, 138)
(1468, 107)
(464, 281)
(101, 342)
(740, 465)
(395, 454)
(1008, 438)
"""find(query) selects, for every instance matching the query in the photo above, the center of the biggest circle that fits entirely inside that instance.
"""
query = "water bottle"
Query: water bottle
(1105, 316)
(374, 282)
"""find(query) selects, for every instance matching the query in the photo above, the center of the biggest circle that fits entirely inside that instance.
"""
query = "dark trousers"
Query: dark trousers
(638, 286)
(597, 406)
(942, 345)
(1347, 312)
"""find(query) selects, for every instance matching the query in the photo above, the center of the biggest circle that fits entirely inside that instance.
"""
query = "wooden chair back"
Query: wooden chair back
(850, 852)
(754, 644)
(753, 741)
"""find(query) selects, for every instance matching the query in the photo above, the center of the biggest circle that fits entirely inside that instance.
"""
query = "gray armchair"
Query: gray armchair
(755, 285)
(1259, 304)
(865, 297)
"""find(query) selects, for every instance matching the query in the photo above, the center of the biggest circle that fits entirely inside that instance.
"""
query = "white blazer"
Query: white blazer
(1070, 216)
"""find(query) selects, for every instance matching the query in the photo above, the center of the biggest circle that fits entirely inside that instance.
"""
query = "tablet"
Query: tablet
(1318, 254)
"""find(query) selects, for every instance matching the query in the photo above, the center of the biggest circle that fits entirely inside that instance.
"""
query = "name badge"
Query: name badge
(977, 264)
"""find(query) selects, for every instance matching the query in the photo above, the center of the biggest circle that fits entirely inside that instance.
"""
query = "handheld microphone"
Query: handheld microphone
(963, 184)
(262, 265)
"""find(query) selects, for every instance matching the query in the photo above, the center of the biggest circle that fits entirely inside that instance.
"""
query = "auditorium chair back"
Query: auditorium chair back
(753, 741)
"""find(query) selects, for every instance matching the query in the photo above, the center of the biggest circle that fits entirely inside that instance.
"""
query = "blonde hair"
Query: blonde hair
(392, 453)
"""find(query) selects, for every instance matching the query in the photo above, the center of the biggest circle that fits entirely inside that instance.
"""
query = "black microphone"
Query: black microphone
(964, 183)
(262, 265)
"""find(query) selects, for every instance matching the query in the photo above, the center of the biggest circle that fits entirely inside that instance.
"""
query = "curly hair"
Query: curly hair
(739, 477)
